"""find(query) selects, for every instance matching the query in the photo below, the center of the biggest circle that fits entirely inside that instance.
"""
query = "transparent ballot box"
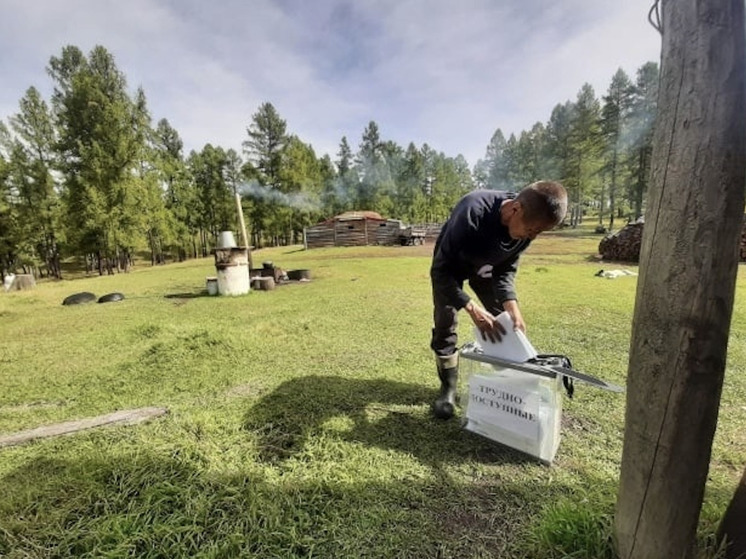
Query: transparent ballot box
(518, 404)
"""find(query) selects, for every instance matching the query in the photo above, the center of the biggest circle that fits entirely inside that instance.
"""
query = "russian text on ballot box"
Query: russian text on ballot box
(493, 400)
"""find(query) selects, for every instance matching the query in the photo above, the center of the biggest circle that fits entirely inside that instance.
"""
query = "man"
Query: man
(481, 242)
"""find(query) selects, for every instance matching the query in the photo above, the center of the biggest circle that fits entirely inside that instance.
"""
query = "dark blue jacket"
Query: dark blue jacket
(475, 243)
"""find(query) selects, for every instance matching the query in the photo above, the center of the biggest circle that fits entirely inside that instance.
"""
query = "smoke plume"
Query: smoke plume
(296, 200)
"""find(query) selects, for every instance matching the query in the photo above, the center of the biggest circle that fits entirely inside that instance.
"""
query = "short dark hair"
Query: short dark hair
(544, 201)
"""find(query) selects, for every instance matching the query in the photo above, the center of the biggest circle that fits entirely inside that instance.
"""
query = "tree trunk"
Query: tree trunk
(124, 260)
(602, 200)
(54, 258)
(612, 191)
(57, 265)
(641, 179)
(733, 527)
(688, 269)
(151, 244)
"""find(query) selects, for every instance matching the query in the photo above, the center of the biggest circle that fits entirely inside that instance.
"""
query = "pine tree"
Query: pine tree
(265, 149)
(178, 190)
(371, 168)
(558, 141)
(32, 158)
(512, 169)
(302, 181)
(583, 161)
(412, 196)
(536, 148)
(450, 181)
(10, 233)
(480, 174)
(496, 162)
(642, 118)
(102, 133)
(267, 140)
(216, 203)
(392, 156)
(344, 157)
(329, 198)
(614, 124)
(341, 190)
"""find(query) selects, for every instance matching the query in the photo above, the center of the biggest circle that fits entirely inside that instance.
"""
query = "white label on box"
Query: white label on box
(492, 401)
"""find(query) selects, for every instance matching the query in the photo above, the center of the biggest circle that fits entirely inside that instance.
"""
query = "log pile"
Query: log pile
(624, 245)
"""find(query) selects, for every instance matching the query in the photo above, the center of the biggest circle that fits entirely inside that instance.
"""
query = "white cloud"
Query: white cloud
(428, 71)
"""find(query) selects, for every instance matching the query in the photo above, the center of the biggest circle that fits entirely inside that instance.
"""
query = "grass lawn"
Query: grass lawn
(299, 421)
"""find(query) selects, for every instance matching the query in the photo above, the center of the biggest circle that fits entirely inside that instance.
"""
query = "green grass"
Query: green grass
(299, 420)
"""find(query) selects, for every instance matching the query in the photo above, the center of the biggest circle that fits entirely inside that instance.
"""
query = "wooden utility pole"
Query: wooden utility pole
(688, 268)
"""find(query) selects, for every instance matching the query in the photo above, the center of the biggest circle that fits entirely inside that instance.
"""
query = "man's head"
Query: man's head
(537, 208)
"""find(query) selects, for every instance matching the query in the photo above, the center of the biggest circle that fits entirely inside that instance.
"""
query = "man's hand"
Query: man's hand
(487, 324)
(511, 307)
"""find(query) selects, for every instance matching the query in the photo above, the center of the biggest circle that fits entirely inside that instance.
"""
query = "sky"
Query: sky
(448, 73)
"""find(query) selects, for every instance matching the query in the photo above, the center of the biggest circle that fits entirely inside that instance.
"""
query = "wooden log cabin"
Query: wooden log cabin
(356, 228)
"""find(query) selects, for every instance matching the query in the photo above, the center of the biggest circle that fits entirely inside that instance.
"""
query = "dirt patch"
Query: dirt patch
(578, 424)
(179, 299)
(244, 391)
(484, 518)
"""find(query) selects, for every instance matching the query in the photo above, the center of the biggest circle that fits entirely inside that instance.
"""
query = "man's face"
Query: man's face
(521, 228)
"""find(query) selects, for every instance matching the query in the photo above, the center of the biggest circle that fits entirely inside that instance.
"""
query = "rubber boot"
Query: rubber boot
(445, 405)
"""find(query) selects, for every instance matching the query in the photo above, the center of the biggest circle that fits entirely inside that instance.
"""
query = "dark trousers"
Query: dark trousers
(445, 317)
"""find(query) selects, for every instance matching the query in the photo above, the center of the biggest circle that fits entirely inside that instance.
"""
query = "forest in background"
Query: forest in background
(87, 174)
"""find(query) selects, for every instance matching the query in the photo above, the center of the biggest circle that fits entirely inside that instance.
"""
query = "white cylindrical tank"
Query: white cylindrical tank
(232, 266)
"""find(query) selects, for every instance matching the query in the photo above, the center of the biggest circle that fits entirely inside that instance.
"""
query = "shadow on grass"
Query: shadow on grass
(570, 233)
(610, 262)
(171, 504)
(294, 250)
(188, 295)
(382, 413)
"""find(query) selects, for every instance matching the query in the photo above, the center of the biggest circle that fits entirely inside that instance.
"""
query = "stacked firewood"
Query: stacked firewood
(624, 245)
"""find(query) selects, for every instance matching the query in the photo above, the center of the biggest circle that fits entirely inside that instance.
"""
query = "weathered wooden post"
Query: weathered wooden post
(242, 225)
(688, 269)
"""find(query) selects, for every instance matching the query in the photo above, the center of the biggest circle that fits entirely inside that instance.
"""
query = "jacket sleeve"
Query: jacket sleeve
(460, 230)
(503, 280)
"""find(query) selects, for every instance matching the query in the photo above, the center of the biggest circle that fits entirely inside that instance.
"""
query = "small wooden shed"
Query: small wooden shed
(356, 228)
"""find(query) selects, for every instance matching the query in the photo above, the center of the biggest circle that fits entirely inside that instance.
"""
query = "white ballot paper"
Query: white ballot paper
(514, 345)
